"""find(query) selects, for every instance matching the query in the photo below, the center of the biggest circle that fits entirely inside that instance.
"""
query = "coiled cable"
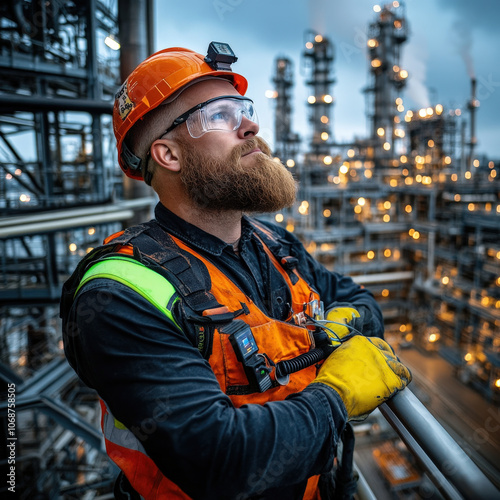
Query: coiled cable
(302, 361)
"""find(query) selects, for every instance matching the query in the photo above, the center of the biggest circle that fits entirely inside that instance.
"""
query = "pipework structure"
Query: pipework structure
(411, 211)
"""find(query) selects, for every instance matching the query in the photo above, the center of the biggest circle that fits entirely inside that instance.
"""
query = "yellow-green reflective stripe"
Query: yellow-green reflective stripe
(146, 282)
(119, 434)
(119, 425)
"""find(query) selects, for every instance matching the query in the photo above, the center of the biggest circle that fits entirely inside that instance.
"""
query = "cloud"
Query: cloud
(479, 14)
(260, 30)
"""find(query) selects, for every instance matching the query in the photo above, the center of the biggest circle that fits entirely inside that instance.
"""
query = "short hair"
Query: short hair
(147, 130)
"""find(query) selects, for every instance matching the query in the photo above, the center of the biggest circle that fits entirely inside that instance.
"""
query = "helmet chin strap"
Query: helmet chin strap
(129, 159)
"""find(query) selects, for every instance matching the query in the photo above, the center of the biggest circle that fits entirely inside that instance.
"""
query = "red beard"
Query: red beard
(218, 184)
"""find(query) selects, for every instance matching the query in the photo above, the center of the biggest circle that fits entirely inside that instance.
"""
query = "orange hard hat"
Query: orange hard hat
(154, 80)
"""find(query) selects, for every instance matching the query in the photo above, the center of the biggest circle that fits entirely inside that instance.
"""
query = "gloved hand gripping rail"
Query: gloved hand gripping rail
(364, 371)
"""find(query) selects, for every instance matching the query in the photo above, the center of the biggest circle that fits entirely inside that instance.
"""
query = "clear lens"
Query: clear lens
(222, 114)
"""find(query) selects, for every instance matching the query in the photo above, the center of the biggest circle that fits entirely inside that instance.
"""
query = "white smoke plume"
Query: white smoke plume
(414, 61)
(464, 43)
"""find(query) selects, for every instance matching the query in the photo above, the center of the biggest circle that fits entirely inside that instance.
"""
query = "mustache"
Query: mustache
(251, 144)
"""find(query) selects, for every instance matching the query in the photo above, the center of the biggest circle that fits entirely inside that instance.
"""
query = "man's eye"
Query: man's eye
(220, 116)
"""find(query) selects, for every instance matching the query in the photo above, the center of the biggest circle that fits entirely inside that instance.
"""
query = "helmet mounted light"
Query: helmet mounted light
(220, 56)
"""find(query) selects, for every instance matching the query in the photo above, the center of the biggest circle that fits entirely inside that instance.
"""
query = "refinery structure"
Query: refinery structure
(411, 211)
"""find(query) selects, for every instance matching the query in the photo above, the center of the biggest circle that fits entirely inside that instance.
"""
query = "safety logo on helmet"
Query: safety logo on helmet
(125, 105)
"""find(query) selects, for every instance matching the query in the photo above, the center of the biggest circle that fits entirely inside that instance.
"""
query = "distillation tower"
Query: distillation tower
(317, 62)
(286, 142)
(386, 35)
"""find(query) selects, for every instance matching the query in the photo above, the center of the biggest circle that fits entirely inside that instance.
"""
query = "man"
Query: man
(202, 330)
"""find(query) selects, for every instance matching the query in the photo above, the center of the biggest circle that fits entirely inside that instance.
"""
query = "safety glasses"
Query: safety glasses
(220, 113)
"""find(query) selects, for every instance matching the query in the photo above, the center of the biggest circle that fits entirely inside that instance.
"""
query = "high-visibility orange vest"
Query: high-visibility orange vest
(279, 340)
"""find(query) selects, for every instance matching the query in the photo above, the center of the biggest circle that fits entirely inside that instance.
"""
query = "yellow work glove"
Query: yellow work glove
(336, 319)
(365, 372)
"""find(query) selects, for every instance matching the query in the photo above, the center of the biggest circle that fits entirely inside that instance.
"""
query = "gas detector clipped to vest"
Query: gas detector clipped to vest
(255, 364)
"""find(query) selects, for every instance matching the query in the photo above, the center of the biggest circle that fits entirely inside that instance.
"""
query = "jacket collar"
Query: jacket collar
(195, 236)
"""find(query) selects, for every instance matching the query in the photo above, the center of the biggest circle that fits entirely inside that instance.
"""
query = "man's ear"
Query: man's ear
(166, 154)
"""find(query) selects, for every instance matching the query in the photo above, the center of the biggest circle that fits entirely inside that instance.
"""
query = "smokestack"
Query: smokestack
(463, 160)
(473, 104)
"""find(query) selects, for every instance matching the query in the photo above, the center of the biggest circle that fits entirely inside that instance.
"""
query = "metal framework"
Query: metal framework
(58, 176)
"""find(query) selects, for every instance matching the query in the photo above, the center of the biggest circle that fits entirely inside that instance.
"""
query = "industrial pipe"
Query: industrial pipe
(136, 37)
(60, 225)
(14, 102)
(62, 214)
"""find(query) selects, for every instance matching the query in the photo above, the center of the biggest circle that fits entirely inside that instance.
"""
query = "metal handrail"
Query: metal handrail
(452, 471)
(363, 490)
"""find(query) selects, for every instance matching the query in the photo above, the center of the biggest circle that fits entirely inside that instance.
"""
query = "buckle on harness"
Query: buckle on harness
(215, 311)
(222, 314)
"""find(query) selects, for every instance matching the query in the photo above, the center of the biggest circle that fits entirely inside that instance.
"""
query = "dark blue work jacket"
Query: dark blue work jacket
(156, 382)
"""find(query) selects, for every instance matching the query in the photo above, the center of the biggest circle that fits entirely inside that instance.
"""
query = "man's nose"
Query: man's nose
(248, 128)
